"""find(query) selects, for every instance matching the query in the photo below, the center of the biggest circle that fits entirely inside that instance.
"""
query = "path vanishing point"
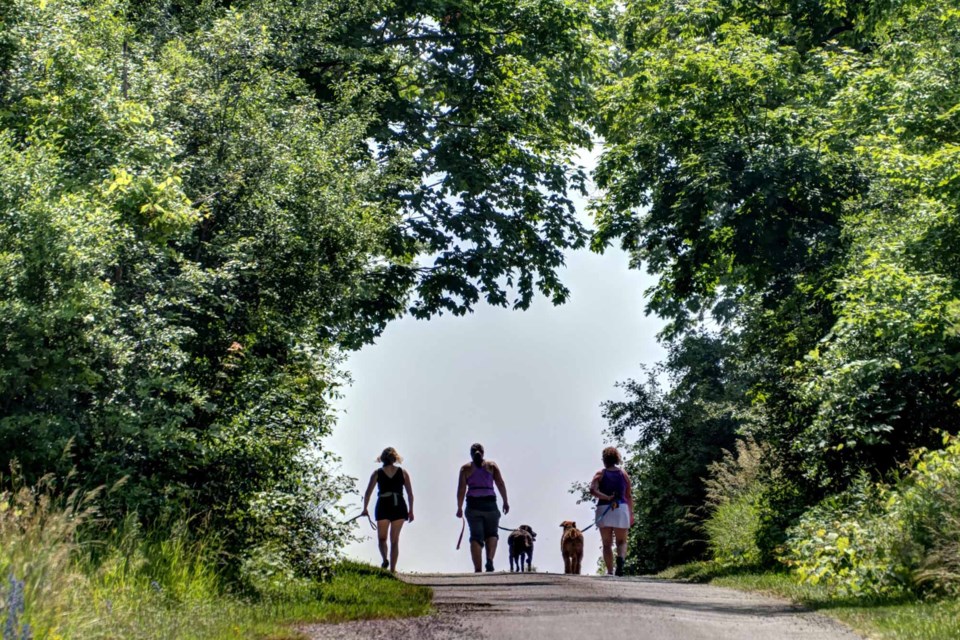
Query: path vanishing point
(530, 606)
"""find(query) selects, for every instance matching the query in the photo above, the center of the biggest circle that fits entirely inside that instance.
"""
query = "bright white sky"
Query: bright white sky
(528, 385)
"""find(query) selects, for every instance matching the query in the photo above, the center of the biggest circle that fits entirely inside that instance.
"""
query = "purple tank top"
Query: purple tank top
(480, 483)
(613, 484)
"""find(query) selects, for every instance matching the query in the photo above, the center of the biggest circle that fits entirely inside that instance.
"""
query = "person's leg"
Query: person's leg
(491, 544)
(476, 554)
(395, 528)
(621, 535)
(475, 524)
(383, 527)
(491, 536)
(606, 541)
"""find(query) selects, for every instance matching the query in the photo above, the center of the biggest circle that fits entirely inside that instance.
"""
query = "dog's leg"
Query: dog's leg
(529, 559)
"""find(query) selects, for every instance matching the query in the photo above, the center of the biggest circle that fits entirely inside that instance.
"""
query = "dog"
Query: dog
(571, 546)
(520, 542)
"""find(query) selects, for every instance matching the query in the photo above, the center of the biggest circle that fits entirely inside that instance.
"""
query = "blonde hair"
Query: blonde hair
(389, 456)
(611, 456)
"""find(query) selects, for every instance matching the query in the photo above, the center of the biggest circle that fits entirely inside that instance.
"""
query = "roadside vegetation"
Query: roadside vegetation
(881, 557)
(789, 172)
(905, 617)
(204, 206)
(69, 574)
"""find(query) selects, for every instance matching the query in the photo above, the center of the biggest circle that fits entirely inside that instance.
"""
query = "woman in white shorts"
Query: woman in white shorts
(611, 488)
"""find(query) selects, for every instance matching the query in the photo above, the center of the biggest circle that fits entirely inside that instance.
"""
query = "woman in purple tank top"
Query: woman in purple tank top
(477, 481)
(611, 487)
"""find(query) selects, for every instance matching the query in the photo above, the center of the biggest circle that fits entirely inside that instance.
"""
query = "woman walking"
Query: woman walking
(391, 509)
(614, 516)
(477, 479)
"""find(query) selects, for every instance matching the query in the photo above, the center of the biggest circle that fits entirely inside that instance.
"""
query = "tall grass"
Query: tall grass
(732, 487)
(60, 581)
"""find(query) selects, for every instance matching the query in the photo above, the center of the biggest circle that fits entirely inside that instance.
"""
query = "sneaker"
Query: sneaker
(619, 569)
(489, 565)
(385, 564)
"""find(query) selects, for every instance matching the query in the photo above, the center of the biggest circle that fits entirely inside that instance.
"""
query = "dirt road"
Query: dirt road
(505, 606)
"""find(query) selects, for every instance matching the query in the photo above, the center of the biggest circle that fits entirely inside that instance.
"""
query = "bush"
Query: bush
(878, 539)
(850, 544)
(930, 503)
(732, 489)
(732, 532)
(780, 504)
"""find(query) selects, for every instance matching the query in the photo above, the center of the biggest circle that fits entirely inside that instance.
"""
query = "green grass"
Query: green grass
(907, 618)
(355, 592)
(134, 585)
(97, 608)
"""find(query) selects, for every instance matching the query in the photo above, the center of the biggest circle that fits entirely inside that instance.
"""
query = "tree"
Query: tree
(672, 436)
(205, 204)
(787, 169)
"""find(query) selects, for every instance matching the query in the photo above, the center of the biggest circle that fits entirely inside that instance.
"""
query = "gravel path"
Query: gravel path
(506, 606)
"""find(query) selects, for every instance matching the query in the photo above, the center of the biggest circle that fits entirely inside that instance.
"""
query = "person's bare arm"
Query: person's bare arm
(461, 491)
(501, 486)
(369, 492)
(595, 487)
(409, 487)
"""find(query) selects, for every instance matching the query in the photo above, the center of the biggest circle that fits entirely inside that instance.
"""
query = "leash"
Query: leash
(463, 527)
(595, 522)
(369, 519)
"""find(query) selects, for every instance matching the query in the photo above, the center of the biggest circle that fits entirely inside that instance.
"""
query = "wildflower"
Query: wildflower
(16, 605)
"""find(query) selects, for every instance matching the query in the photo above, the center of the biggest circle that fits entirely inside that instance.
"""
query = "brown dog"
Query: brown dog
(571, 545)
(520, 543)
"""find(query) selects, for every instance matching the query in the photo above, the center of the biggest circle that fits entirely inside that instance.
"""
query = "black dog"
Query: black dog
(520, 542)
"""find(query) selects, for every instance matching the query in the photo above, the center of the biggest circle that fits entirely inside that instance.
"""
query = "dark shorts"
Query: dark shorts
(386, 509)
(483, 523)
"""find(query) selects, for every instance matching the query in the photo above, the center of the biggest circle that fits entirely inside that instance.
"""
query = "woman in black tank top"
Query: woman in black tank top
(391, 510)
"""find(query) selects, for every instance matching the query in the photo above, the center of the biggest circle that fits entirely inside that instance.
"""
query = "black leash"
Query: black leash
(609, 506)
(463, 527)
(369, 519)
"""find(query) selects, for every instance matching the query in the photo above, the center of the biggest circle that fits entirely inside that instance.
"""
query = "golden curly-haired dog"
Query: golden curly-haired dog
(571, 546)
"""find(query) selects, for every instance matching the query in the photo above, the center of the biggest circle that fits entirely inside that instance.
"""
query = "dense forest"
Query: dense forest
(205, 204)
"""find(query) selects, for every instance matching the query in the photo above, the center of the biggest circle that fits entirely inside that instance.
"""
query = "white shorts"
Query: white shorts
(618, 518)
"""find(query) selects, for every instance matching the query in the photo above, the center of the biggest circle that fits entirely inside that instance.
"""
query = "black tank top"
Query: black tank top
(386, 484)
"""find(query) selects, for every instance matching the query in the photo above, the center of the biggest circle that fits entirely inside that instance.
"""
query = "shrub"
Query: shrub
(732, 488)
(780, 504)
(930, 503)
(850, 544)
(879, 539)
(732, 532)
